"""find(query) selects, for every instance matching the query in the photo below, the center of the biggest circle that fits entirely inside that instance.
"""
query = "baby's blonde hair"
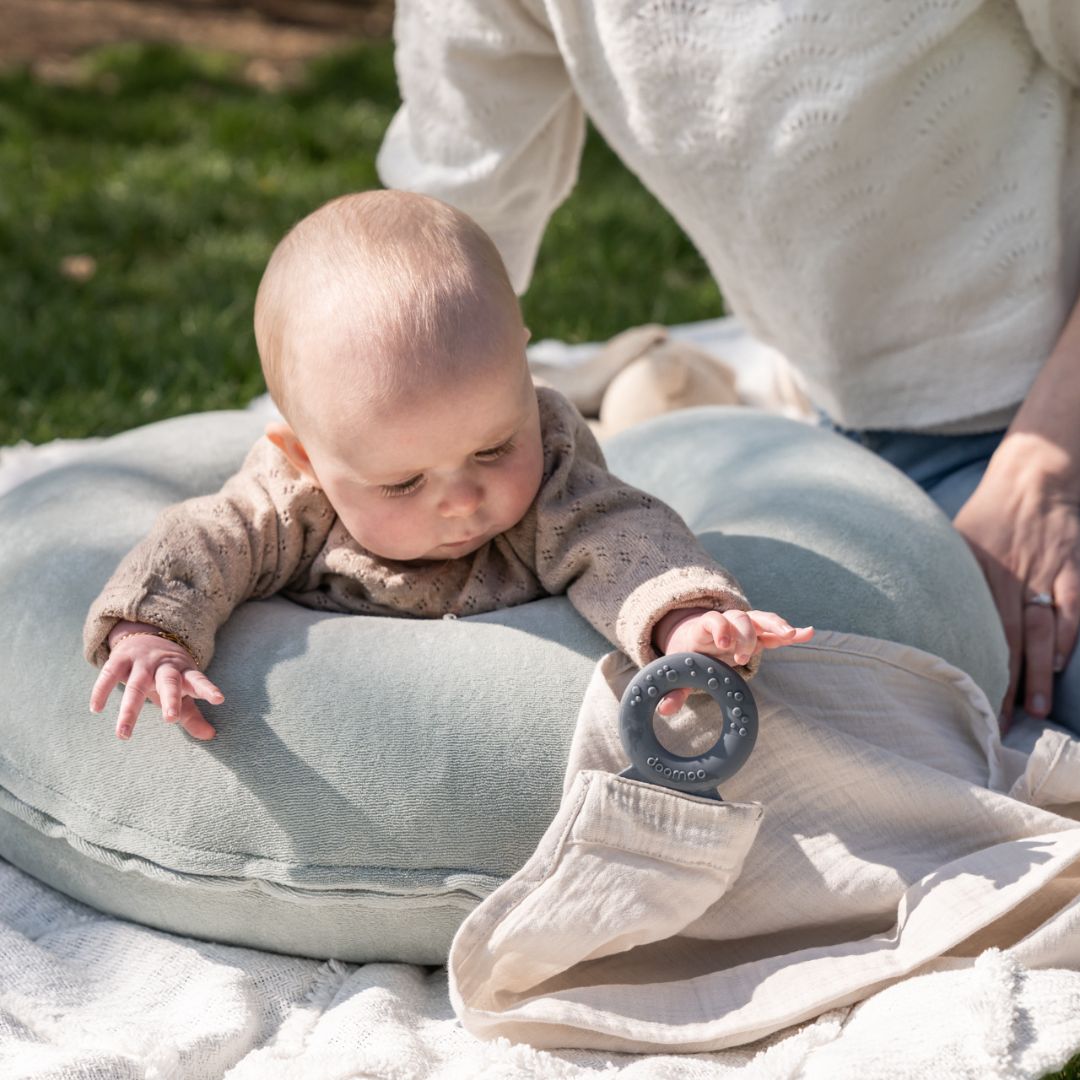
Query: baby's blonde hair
(403, 288)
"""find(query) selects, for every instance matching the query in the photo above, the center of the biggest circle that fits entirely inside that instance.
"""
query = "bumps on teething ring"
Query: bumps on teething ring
(701, 773)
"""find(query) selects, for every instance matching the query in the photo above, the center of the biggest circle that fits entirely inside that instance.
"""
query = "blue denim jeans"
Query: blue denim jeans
(948, 468)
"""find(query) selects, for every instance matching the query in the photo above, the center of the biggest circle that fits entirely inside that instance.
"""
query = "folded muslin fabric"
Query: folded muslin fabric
(879, 830)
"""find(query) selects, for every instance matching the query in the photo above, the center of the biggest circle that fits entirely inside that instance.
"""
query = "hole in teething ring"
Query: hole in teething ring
(695, 728)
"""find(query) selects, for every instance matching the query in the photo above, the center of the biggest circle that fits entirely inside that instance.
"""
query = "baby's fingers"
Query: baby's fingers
(193, 721)
(745, 636)
(138, 688)
(170, 689)
(197, 685)
(671, 703)
(796, 637)
(768, 622)
(113, 672)
(713, 630)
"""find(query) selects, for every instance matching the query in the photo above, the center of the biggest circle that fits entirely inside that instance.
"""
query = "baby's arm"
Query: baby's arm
(201, 560)
(630, 564)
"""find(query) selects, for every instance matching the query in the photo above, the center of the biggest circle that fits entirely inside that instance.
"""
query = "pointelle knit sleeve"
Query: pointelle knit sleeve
(209, 554)
(489, 122)
(623, 557)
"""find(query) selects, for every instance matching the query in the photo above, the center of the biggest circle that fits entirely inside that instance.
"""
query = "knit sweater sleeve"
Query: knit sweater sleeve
(207, 555)
(489, 121)
(1054, 26)
(623, 557)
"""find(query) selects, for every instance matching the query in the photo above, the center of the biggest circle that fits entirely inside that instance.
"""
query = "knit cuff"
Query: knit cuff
(683, 587)
(169, 614)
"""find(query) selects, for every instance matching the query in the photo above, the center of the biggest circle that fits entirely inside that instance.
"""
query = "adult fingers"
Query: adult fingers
(1049, 637)
(199, 686)
(170, 690)
(193, 721)
(139, 685)
(1040, 642)
(1067, 602)
(1008, 597)
(113, 672)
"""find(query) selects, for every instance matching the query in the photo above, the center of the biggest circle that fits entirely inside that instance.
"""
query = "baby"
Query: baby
(418, 472)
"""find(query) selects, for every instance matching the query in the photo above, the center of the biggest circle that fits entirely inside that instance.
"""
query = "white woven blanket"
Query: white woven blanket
(83, 995)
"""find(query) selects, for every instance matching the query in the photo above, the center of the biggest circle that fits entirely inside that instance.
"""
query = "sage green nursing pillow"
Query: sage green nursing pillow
(373, 778)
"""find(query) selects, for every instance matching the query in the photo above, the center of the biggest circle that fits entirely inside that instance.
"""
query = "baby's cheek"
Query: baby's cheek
(379, 530)
(526, 478)
(514, 499)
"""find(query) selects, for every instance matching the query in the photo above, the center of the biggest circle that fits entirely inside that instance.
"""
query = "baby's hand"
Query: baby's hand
(732, 636)
(155, 668)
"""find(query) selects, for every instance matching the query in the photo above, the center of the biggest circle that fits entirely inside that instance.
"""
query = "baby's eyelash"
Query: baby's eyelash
(405, 488)
(497, 451)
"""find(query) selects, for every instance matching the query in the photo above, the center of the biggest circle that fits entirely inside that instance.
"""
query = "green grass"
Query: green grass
(1070, 1072)
(178, 179)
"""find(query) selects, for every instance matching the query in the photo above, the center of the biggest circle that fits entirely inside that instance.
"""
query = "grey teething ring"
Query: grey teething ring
(698, 775)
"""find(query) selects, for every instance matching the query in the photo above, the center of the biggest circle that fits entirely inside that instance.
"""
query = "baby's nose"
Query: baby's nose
(461, 499)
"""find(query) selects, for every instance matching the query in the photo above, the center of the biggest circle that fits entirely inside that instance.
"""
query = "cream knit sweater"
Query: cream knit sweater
(888, 192)
(623, 557)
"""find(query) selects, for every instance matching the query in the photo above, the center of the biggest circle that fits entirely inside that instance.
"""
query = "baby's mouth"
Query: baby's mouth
(473, 541)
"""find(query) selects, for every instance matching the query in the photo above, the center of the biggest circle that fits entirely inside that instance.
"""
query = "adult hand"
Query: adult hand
(1023, 524)
(156, 669)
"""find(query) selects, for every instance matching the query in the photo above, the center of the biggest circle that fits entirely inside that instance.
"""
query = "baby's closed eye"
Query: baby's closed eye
(496, 451)
(407, 487)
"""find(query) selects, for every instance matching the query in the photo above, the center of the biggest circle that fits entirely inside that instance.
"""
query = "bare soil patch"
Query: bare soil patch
(276, 36)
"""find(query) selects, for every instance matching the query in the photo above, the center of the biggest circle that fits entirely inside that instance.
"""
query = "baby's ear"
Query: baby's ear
(286, 440)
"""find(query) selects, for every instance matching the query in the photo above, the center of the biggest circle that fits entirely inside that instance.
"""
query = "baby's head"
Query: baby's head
(392, 342)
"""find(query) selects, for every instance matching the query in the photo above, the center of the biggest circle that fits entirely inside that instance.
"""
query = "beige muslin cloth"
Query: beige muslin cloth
(879, 829)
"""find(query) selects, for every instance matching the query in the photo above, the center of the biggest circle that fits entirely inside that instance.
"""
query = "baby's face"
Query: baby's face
(440, 475)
